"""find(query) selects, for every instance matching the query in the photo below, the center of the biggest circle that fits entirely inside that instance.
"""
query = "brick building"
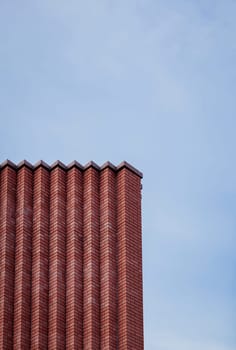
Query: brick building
(70, 256)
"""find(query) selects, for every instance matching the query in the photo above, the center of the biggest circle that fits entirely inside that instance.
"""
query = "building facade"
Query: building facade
(70, 256)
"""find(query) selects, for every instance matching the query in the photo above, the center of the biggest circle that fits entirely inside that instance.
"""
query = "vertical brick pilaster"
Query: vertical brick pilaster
(91, 269)
(40, 259)
(108, 264)
(22, 297)
(70, 257)
(130, 303)
(74, 260)
(56, 326)
(7, 255)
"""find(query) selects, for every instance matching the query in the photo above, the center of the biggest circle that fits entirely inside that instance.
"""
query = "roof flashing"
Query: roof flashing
(126, 165)
(74, 163)
(59, 164)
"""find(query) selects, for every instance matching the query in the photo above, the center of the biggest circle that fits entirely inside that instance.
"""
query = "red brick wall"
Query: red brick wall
(70, 257)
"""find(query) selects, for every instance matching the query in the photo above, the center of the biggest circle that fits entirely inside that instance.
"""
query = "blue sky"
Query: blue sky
(153, 83)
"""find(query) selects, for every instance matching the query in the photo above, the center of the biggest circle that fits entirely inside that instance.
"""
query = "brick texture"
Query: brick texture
(23, 267)
(130, 327)
(57, 261)
(74, 260)
(40, 241)
(108, 260)
(70, 257)
(7, 257)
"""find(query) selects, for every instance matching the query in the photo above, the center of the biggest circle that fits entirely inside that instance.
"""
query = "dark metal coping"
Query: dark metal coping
(70, 166)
